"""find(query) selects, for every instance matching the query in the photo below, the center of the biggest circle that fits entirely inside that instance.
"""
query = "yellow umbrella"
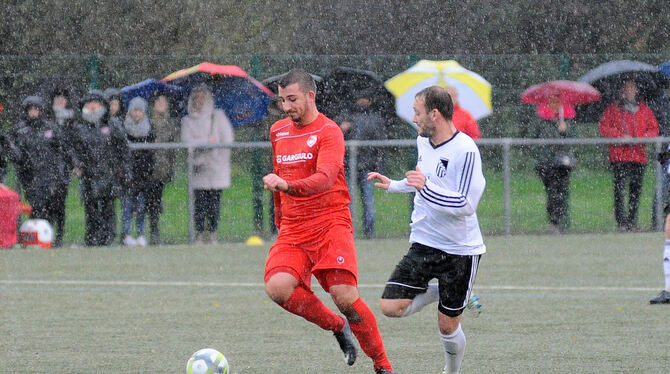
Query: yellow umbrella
(474, 92)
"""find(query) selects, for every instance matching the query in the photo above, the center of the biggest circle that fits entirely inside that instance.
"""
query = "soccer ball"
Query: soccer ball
(36, 232)
(207, 360)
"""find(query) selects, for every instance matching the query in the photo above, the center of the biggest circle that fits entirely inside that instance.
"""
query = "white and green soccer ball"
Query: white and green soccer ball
(207, 361)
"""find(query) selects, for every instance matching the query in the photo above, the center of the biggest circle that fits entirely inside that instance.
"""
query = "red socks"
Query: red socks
(368, 336)
(305, 304)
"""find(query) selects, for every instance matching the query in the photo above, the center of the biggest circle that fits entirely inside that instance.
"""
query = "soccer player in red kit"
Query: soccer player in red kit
(314, 221)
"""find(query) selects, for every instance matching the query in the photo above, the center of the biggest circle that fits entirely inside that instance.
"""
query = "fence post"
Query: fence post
(506, 186)
(353, 183)
(564, 65)
(257, 161)
(191, 197)
(93, 72)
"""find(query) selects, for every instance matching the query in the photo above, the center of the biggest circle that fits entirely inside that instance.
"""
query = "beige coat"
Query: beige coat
(208, 126)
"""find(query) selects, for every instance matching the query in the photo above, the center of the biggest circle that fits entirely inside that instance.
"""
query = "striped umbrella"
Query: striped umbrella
(474, 92)
(243, 98)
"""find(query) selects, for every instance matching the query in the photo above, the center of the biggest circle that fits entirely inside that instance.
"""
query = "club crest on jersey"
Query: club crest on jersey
(311, 140)
(441, 169)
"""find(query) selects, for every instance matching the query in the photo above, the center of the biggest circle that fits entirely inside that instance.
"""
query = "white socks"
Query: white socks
(666, 265)
(454, 349)
(431, 295)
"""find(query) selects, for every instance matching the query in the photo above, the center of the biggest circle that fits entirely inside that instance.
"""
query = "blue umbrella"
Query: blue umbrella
(665, 68)
(147, 88)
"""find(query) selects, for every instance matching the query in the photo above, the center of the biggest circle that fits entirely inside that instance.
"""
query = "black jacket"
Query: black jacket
(37, 149)
(102, 154)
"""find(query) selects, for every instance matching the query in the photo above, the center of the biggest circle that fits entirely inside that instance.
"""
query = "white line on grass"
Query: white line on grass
(114, 283)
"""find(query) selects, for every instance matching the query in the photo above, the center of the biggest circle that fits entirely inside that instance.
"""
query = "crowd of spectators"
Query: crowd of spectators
(90, 138)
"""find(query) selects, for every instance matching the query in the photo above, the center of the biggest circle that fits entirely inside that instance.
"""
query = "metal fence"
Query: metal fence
(513, 164)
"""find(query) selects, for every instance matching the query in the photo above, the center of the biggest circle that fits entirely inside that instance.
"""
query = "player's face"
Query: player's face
(294, 102)
(423, 118)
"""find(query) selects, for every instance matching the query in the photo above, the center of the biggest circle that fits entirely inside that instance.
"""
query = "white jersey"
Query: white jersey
(444, 215)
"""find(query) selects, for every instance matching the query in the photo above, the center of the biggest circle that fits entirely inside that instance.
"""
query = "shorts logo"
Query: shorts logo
(340, 260)
(311, 140)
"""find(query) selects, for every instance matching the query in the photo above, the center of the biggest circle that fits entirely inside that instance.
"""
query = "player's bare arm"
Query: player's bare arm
(384, 181)
(273, 182)
(416, 179)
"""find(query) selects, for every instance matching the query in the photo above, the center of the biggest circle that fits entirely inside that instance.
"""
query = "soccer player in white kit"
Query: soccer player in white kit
(446, 242)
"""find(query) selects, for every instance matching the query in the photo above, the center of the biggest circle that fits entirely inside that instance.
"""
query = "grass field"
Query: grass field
(551, 304)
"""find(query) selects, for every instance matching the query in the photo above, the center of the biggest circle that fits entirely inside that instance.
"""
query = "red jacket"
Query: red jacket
(464, 122)
(616, 123)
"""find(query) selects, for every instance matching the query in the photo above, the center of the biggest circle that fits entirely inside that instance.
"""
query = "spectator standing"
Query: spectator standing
(103, 156)
(166, 130)
(37, 148)
(363, 122)
(628, 118)
(117, 112)
(138, 130)
(462, 119)
(205, 124)
(61, 113)
(554, 163)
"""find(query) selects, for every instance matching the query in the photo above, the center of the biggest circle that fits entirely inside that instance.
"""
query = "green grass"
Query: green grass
(551, 304)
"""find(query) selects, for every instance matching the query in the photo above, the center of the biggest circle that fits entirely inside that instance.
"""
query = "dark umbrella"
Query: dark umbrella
(243, 98)
(343, 85)
(608, 79)
(271, 83)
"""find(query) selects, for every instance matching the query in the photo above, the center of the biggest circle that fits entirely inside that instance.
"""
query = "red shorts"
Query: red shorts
(330, 248)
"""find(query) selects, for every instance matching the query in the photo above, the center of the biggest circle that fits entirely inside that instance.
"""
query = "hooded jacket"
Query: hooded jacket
(37, 148)
(208, 126)
(166, 130)
(140, 132)
(102, 152)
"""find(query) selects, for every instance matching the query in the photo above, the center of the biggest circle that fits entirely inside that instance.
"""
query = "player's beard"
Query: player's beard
(426, 129)
(295, 116)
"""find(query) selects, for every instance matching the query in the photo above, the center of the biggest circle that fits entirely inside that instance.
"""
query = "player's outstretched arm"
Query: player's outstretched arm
(384, 181)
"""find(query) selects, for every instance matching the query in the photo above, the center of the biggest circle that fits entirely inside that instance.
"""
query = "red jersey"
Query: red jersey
(311, 160)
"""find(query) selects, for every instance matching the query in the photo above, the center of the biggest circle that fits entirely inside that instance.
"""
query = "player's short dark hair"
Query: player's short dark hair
(438, 98)
(300, 76)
